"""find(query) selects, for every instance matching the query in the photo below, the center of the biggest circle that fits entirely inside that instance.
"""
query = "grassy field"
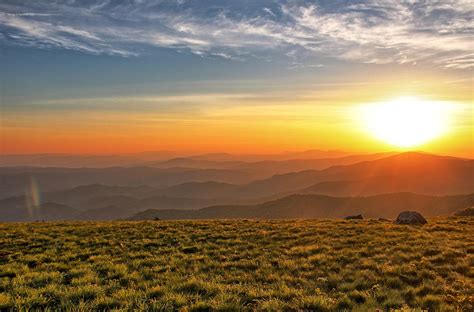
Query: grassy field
(317, 265)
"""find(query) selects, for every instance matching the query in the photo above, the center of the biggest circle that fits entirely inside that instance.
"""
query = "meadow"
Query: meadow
(238, 265)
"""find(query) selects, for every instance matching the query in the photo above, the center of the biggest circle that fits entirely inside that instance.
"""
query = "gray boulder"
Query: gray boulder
(468, 212)
(410, 217)
(356, 217)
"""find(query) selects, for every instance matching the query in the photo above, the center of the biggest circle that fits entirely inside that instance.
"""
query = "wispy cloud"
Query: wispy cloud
(438, 33)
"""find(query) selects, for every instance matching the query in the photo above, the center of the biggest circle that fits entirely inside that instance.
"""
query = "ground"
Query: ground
(312, 265)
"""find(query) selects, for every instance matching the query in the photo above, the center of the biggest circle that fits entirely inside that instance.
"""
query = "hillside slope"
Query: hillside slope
(406, 172)
(321, 206)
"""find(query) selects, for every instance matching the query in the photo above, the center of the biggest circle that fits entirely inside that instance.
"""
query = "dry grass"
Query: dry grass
(317, 265)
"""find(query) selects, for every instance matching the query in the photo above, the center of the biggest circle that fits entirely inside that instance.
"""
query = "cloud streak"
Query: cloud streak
(438, 33)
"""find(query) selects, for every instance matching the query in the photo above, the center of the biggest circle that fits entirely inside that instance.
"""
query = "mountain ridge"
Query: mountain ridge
(323, 206)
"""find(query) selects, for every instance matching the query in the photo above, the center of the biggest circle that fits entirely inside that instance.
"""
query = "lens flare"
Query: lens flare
(32, 198)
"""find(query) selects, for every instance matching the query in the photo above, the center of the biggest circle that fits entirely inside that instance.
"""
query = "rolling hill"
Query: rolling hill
(96, 202)
(158, 174)
(267, 167)
(406, 172)
(15, 180)
(47, 211)
(119, 207)
(321, 206)
(144, 158)
(140, 188)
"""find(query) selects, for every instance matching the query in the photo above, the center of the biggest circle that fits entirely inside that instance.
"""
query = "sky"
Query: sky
(236, 76)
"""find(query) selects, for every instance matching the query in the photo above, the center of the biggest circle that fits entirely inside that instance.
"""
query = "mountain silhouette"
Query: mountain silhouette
(321, 206)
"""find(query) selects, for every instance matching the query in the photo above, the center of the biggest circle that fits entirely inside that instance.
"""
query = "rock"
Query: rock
(156, 219)
(356, 217)
(410, 217)
(468, 212)
(189, 250)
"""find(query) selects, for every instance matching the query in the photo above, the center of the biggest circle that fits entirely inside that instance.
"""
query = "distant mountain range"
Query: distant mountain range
(321, 206)
(145, 158)
(102, 202)
(267, 167)
(406, 172)
(15, 180)
(95, 202)
(174, 171)
(120, 192)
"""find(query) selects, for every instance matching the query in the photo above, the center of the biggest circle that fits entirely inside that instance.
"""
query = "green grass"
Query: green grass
(312, 265)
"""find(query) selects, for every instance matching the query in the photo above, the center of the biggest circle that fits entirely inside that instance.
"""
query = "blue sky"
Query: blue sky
(156, 41)
(212, 58)
(365, 31)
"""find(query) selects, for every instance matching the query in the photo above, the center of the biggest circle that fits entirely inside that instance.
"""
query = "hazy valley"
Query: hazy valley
(376, 185)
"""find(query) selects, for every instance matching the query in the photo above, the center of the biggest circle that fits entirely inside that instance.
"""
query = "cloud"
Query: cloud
(437, 33)
(45, 34)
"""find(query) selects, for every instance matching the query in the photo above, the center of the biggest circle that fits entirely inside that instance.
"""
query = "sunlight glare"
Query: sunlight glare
(407, 121)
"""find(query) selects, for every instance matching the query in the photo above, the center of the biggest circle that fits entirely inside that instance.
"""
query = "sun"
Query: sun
(407, 121)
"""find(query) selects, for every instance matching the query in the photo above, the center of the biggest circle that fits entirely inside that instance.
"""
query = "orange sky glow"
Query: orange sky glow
(257, 126)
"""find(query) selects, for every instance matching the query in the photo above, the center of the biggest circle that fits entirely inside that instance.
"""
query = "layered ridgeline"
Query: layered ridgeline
(159, 158)
(123, 192)
(204, 168)
(321, 206)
